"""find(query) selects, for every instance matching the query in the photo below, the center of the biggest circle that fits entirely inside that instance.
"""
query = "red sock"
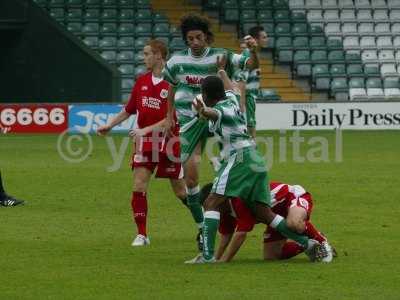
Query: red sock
(139, 208)
(291, 249)
(313, 233)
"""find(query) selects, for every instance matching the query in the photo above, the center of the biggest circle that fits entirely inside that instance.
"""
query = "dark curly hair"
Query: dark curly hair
(196, 22)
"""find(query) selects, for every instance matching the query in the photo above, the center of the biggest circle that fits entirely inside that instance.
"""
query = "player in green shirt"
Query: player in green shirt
(185, 71)
(243, 172)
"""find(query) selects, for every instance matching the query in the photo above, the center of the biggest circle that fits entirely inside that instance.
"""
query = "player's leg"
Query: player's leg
(179, 188)
(5, 199)
(273, 250)
(141, 178)
(251, 115)
(191, 171)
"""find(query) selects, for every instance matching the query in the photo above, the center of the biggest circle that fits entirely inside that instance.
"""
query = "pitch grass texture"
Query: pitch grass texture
(72, 239)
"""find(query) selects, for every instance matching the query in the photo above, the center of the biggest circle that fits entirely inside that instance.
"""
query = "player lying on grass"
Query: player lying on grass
(5, 199)
(289, 201)
(243, 172)
(149, 102)
(185, 71)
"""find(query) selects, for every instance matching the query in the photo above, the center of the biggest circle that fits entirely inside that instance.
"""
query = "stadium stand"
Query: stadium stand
(348, 49)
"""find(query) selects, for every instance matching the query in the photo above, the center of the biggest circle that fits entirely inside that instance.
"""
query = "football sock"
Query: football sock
(279, 223)
(193, 202)
(210, 227)
(291, 249)
(313, 233)
(139, 208)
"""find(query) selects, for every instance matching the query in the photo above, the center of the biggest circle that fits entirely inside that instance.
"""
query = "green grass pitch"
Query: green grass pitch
(72, 239)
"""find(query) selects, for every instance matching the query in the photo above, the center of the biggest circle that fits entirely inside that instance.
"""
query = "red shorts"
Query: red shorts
(304, 201)
(243, 221)
(165, 167)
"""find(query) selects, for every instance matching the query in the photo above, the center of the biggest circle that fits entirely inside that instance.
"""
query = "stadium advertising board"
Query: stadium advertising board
(87, 118)
(34, 118)
(308, 116)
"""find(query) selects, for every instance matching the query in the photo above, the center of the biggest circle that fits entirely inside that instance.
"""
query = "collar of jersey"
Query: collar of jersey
(206, 50)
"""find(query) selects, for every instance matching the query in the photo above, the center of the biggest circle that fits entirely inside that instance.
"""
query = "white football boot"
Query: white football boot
(199, 259)
(140, 240)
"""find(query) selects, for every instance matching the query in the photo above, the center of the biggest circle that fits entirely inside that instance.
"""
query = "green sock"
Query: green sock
(193, 202)
(210, 227)
(279, 223)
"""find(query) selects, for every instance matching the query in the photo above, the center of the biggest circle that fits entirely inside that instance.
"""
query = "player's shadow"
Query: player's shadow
(253, 261)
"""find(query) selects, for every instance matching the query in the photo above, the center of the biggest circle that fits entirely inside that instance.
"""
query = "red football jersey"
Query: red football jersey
(241, 218)
(149, 103)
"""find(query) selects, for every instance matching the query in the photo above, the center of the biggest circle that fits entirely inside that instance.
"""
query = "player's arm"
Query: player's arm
(242, 88)
(169, 123)
(223, 243)
(118, 119)
(204, 111)
(160, 125)
(236, 242)
(253, 62)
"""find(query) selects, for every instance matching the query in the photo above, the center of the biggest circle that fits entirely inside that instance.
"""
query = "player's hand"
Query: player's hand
(4, 130)
(103, 130)
(169, 126)
(251, 43)
(138, 132)
(199, 105)
(221, 62)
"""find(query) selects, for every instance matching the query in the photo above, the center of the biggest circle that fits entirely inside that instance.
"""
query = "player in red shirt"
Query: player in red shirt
(152, 149)
(291, 202)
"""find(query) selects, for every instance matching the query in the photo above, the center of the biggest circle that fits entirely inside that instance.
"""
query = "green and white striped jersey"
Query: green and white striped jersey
(186, 72)
(231, 125)
(252, 78)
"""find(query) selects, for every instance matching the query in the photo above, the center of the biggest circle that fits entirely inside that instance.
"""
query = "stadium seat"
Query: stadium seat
(389, 70)
(319, 56)
(335, 43)
(90, 29)
(74, 15)
(109, 3)
(391, 87)
(317, 29)
(108, 43)
(349, 29)
(285, 49)
(126, 4)
(364, 15)
(382, 28)
(109, 15)
(301, 43)
(329, 4)
(366, 28)
(345, 4)
(357, 89)
(380, 15)
(318, 43)
(126, 56)
(265, 16)
(108, 29)
(369, 56)
(299, 29)
(74, 3)
(298, 17)
(315, 15)
(58, 14)
(280, 4)
(92, 14)
(161, 30)
(339, 89)
(140, 42)
(386, 56)
(248, 15)
(126, 15)
(355, 70)
(283, 29)
(374, 88)
(143, 4)
(351, 42)
(371, 70)
(282, 16)
(143, 16)
(336, 56)
(56, 3)
(338, 70)
(144, 29)
(264, 4)
(296, 4)
(92, 3)
(110, 56)
(159, 18)
(347, 15)
(268, 95)
(309, 4)
(384, 42)
(367, 42)
(321, 76)
(362, 3)
(92, 41)
(331, 15)
(126, 29)
(75, 28)
(231, 15)
(333, 29)
(302, 63)
(125, 43)
(127, 70)
(139, 57)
